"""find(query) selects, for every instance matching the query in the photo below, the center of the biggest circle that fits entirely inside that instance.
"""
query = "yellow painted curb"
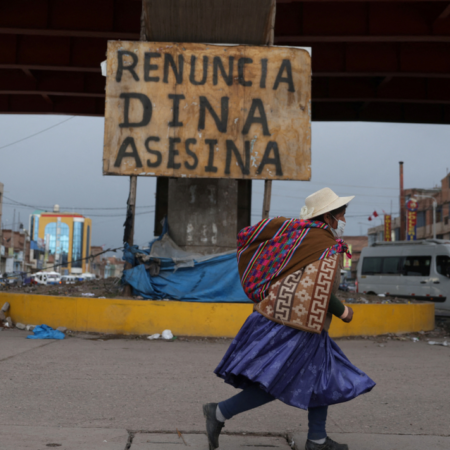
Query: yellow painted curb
(120, 316)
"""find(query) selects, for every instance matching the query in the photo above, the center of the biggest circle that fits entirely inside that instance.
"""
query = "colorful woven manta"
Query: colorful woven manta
(274, 246)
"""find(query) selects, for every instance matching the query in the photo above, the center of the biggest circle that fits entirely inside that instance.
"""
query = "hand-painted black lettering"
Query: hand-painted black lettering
(176, 110)
(177, 71)
(271, 145)
(191, 154)
(231, 148)
(285, 65)
(173, 153)
(262, 82)
(205, 71)
(221, 123)
(157, 153)
(130, 68)
(146, 114)
(241, 65)
(211, 167)
(149, 67)
(218, 65)
(257, 104)
(129, 141)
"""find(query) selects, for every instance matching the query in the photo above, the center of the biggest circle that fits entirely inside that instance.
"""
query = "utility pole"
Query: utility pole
(128, 235)
(24, 249)
(402, 206)
(56, 266)
(267, 197)
(12, 235)
(268, 183)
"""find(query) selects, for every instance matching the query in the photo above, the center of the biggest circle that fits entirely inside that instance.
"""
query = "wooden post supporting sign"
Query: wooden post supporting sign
(128, 234)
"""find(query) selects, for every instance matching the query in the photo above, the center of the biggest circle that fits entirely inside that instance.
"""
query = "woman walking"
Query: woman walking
(291, 268)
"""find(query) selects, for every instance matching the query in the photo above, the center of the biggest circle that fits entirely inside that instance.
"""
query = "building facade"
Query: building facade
(106, 266)
(2, 247)
(66, 238)
(424, 227)
(16, 249)
(357, 243)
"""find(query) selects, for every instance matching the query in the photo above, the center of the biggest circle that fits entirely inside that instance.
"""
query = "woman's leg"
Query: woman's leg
(249, 398)
(317, 435)
(216, 414)
(317, 419)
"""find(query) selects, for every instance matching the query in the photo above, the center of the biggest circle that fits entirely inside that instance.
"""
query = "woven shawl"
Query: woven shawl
(275, 248)
(288, 267)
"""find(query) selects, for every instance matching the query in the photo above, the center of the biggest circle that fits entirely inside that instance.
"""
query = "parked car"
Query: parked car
(411, 269)
(343, 287)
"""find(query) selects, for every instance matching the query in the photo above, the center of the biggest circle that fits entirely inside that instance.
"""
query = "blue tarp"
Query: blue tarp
(183, 276)
(45, 332)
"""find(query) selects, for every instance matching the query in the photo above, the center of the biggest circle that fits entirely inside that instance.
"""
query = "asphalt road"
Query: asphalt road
(114, 388)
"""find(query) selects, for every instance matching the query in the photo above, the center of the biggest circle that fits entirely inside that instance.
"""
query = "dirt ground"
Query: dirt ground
(107, 288)
(353, 297)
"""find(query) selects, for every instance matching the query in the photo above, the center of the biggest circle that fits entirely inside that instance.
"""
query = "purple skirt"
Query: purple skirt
(299, 368)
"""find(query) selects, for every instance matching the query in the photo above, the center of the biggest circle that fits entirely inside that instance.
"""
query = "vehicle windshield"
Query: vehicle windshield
(443, 265)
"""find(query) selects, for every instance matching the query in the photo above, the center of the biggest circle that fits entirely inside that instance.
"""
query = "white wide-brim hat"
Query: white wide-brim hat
(321, 202)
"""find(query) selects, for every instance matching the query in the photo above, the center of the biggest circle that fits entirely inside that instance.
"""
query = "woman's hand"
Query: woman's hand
(348, 314)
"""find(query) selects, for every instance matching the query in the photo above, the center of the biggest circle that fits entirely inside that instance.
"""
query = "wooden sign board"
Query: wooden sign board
(195, 110)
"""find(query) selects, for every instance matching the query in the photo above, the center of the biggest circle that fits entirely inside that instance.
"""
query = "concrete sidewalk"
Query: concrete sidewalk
(79, 393)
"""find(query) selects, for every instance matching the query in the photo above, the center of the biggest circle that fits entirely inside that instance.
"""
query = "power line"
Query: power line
(301, 198)
(123, 208)
(65, 264)
(120, 215)
(114, 215)
(35, 134)
(329, 183)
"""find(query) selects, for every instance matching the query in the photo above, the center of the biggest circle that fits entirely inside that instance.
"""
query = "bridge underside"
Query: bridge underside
(385, 61)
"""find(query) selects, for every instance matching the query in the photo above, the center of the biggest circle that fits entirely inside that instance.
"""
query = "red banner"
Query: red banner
(387, 227)
(411, 225)
(411, 219)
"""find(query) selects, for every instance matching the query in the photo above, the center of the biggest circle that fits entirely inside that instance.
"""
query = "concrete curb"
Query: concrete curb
(370, 441)
(120, 316)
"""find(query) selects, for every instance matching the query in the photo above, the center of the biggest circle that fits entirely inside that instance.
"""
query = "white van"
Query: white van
(87, 276)
(53, 278)
(68, 279)
(40, 278)
(410, 269)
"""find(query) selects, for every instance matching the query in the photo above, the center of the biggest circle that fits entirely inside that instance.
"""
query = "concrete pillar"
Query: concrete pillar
(203, 214)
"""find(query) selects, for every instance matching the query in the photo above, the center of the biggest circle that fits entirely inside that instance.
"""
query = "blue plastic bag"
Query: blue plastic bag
(45, 332)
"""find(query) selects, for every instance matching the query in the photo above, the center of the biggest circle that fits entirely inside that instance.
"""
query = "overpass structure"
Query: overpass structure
(380, 60)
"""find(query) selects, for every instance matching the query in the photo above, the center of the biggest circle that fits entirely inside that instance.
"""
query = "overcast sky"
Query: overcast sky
(63, 165)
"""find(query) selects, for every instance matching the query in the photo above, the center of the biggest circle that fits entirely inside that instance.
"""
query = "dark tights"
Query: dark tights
(253, 396)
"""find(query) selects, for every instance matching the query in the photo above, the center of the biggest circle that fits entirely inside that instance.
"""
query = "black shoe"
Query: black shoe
(213, 426)
(329, 444)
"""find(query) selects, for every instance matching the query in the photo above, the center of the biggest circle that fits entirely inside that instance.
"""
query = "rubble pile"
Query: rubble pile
(100, 288)
(353, 297)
